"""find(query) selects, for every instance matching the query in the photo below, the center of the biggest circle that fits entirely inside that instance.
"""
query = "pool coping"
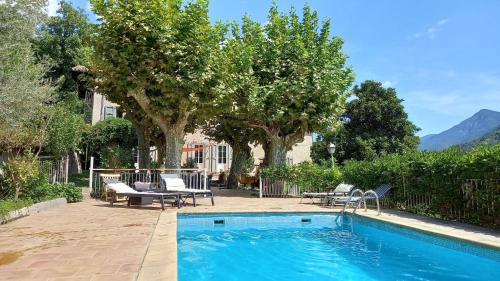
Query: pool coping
(160, 260)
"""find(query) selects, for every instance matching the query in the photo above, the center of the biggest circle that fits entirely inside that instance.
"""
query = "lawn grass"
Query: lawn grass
(80, 180)
(8, 205)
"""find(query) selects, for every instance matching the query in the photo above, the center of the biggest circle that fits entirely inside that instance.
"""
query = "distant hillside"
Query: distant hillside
(490, 138)
(468, 130)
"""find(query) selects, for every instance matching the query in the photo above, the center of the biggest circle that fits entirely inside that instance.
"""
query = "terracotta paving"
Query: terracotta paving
(92, 241)
(82, 241)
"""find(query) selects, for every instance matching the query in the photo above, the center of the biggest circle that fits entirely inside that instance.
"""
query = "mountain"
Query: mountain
(479, 124)
(493, 137)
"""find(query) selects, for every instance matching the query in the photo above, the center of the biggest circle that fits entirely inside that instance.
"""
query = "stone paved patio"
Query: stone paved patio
(91, 241)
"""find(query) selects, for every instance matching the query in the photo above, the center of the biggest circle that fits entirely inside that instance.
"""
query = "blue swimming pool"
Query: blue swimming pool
(316, 246)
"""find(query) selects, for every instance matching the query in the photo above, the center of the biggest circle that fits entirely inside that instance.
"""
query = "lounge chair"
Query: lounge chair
(172, 183)
(121, 189)
(341, 190)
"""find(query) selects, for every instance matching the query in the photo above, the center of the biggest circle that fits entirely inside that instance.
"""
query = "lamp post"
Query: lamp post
(331, 150)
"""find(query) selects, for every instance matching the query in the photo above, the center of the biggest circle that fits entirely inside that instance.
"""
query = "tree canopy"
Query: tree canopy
(23, 91)
(289, 77)
(62, 42)
(375, 124)
(160, 53)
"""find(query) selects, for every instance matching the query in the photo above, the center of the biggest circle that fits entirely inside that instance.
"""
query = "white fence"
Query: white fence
(193, 178)
(57, 170)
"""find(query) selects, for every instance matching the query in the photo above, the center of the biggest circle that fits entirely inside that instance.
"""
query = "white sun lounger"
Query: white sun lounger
(341, 190)
(172, 183)
(121, 189)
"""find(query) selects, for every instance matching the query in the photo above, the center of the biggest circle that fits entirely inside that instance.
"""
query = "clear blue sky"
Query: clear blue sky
(442, 56)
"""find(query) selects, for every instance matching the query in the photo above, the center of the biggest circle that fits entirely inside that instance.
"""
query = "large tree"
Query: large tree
(62, 43)
(160, 53)
(23, 91)
(375, 124)
(295, 77)
(226, 127)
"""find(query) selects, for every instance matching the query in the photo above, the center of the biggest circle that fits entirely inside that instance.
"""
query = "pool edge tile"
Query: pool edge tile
(160, 261)
(435, 228)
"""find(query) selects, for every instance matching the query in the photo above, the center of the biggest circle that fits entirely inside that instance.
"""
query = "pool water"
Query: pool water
(317, 246)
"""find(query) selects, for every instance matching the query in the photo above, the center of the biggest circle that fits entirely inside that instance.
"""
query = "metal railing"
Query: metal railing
(193, 178)
(270, 188)
(56, 169)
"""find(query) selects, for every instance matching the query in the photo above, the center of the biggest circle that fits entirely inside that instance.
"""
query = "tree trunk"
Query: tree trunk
(77, 164)
(160, 151)
(174, 141)
(143, 146)
(241, 153)
(267, 153)
(278, 150)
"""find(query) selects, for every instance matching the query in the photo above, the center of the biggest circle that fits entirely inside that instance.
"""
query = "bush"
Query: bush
(112, 140)
(41, 190)
(307, 176)
(64, 132)
(69, 191)
(112, 131)
(116, 157)
(437, 182)
(38, 190)
(17, 173)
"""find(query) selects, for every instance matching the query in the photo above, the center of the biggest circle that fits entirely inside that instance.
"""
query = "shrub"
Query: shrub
(64, 132)
(19, 172)
(38, 190)
(112, 140)
(307, 176)
(41, 190)
(112, 131)
(116, 157)
(69, 191)
(436, 181)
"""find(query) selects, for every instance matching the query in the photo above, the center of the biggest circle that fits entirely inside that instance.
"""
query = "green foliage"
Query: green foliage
(69, 191)
(490, 138)
(64, 131)
(113, 157)
(9, 205)
(23, 92)
(23, 182)
(38, 189)
(112, 132)
(161, 54)
(19, 172)
(41, 190)
(439, 175)
(248, 165)
(307, 176)
(288, 77)
(376, 124)
(62, 43)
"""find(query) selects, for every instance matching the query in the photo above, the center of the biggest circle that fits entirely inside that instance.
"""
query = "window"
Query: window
(221, 154)
(198, 154)
(109, 111)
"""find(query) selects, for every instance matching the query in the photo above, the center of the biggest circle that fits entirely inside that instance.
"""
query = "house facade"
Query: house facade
(217, 156)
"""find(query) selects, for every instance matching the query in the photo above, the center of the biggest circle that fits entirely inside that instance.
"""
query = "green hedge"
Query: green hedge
(437, 183)
(307, 176)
